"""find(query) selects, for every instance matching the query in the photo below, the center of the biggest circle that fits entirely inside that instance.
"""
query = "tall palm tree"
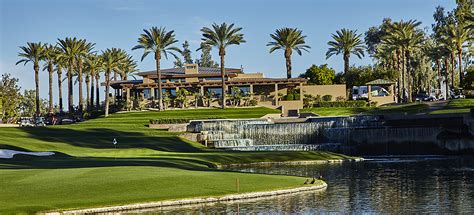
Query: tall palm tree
(111, 60)
(407, 37)
(127, 67)
(221, 36)
(70, 48)
(459, 35)
(288, 39)
(84, 50)
(50, 53)
(60, 63)
(93, 64)
(34, 53)
(97, 86)
(346, 42)
(157, 41)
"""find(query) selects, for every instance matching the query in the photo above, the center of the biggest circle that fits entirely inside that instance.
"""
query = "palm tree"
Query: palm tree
(50, 53)
(93, 65)
(459, 36)
(407, 38)
(158, 41)
(111, 60)
(221, 36)
(70, 48)
(127, 67)
(288, 39)
(346, 42)
(84, 50)
(33, 52)
(60, 64)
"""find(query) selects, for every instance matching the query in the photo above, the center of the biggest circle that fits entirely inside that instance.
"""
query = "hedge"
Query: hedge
(357, 103)
(176, 120)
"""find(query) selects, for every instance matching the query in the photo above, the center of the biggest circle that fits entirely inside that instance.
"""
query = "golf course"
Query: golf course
(88, 170)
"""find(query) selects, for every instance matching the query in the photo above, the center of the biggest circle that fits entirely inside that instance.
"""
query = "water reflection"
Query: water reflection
(378, 185)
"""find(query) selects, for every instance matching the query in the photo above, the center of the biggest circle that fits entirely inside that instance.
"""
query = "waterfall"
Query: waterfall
(312, 134)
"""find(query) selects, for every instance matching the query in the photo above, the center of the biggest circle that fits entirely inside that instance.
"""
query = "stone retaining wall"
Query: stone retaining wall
(226, 198)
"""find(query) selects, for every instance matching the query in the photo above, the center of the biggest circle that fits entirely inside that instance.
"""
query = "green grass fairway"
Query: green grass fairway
(148, 164)
(453, 106)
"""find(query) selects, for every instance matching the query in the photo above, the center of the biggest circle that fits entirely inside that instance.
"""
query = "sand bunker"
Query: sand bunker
(5, 153)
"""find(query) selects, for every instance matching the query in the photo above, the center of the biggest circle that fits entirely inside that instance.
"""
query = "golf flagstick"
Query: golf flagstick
(115, 147)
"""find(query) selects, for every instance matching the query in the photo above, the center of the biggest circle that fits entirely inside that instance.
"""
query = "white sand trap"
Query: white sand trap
(5, 153)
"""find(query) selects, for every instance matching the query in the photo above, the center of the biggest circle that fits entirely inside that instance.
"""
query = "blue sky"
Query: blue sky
(118, 23)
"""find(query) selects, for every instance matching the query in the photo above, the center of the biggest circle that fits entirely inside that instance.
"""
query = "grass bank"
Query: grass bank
(146, 165)
(452, 106)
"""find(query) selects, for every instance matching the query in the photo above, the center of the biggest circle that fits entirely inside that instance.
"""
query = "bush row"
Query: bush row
(176, 120)
(358, 103)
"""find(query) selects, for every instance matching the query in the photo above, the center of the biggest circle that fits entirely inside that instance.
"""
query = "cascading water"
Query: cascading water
(262, 134)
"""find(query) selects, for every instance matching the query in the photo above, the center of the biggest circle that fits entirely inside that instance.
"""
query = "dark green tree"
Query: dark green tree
(206, 59)
(10, 98)
(319, 75)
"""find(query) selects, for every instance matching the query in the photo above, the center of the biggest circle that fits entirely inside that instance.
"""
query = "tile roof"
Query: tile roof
(179, 71)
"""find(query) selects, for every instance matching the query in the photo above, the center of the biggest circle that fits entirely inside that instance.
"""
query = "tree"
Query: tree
(182, 97)
(60, 63)
(459, 36)
(84, 50)
(206, 59)
(221, 36)
(289, 40)
(110, 59)
(157, 41)
(319, 75)
(187, 53)
(34, 53)
(10, 98)
(70, 49)
(50, 53)
(93, 65)
(27, 106)
(346, 42)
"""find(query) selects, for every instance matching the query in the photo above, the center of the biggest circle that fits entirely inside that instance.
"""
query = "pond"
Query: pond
(377, 185)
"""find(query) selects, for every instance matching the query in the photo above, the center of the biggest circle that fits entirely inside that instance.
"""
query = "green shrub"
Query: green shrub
(358, 103)
(340, 98)
(176, 120)
(253, 102)
(327, 98)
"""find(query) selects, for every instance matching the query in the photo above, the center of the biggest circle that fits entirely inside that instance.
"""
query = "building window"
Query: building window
(216, 91)
(146, 93)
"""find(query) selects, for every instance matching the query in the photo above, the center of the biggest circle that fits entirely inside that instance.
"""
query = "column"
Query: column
(201, 91)
(276, 94)
(301, 92)
(251, 89)
(369, 92)
(152, 93)
(128, 94)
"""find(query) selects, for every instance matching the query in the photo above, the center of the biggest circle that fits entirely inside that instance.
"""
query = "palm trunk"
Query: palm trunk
(107, 85)
(409, 76)
(461, 75)
(158, 71)
(399, 82)
(438, 65)
(91, 101)
(37, 99)
(222, 54)
(446, 74)
(453, 59)
(346, 58)
(60, 89)
(288, 62)
(88, 83)
(81, 102)
(403, 77)
(70, 88)
(50, 72)
(97, 89)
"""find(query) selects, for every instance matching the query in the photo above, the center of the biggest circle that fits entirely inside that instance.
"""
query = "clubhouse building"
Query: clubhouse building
(195, 79)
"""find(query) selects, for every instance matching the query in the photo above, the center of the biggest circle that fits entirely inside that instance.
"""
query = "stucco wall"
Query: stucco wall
(335, 90)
